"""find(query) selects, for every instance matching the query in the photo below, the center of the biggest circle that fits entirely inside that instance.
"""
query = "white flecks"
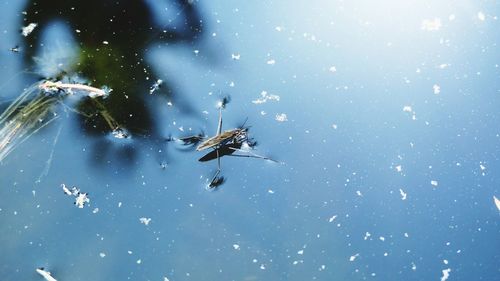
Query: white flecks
(497, 202)
(406, 235)
(403, 194)
(281, 117)
(436, 88)
(139, 261)
(95, 211)
(399, 168)
(271, 62)
(434, 182)
(105, 42)
(236, 247)
(382, 238)
(445, 261)
(482, 167)
(266, 97)
(78, 30)
(165, 278)
(332, 218)
(26, 30)
(407, 108)
(145, 221)
(235, 56)
(334, 126)
(262, 266)
(322, 267)
(300, 252)
(119, 204)
(386, 254)
(431, 24)
(413, 266)
(81, 200)
(46, 274)
(353, 257)
(443, 65)
(278, 28)
(446, 274)
(359, 193)
(156, 86)
(332, 69)
(102, 255)
(367, 235)
(270, 191)
(481, 16)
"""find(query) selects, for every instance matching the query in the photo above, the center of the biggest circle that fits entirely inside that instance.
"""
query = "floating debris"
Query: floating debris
(265, 97)
(235, 56)
(436, 88)
(236, 246)
(26, 30)
(481, 16)
(403, 194)
(353, 257)
(446, 274)
(431, 24)
(332, 69)
(156, 86)
(145, 221)
(92, 92)
(434, 183)
(80, 198)
(497, 202)
(271, 62)
(46, 274)
(332, 218)
(15, 49)
(281, 117)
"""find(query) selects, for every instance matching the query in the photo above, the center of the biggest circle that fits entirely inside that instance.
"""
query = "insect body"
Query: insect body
(226, 144)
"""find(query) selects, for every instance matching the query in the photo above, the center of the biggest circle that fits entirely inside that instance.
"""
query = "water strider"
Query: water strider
(226, 144)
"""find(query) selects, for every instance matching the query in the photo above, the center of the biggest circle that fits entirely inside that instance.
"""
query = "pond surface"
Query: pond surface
(382, 118)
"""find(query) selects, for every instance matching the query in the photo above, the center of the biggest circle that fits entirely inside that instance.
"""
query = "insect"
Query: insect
(226, 144)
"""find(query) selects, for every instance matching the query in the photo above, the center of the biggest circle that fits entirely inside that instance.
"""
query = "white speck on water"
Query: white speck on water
(406, 235)
(235, 56)
(497, 202)
(332, 218)
(278, 28)
(481, 16)
(281, 117)
(95, 211)
(332, 69)
(165, 278)
(446, 274)
(271, 62)
(399, 168)
(382, 238)
(102, 255)
(119, 204)
(145, 221)
(262, 266)
(434, 182)
(403, 194)
(367, 235)
(334, 126)
(431, 24)
(436, 88)
(105, 42)
(270, 191)
(413, 266)
(407, 108)
(266, 97)
(359, 193)
(236, 247)
(301, 252)
(139, 261)
(445, 261)
(353, 257)
(26, 30)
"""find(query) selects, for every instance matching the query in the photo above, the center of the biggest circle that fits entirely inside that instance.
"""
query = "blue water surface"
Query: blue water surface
(383, 117)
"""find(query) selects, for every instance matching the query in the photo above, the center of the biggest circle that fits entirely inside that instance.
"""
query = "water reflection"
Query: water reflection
(111, 39)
